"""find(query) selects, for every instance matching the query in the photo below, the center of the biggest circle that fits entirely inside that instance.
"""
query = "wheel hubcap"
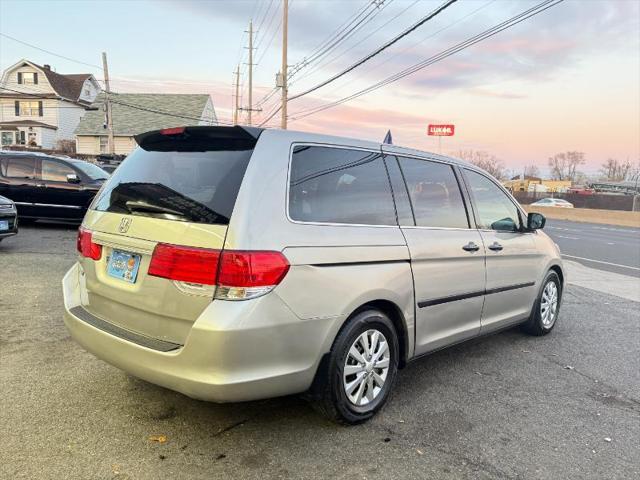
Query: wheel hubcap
(366, 367)
(549, 304)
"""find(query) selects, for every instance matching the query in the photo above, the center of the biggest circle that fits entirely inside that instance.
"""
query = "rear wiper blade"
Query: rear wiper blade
(140, 206)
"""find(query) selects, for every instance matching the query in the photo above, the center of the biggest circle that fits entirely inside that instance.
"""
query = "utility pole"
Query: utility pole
(111, 145)
(237, 104)
(250, 110)
(285, 23)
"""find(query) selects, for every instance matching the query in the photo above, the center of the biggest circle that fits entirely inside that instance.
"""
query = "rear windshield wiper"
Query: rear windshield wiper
(140, 206)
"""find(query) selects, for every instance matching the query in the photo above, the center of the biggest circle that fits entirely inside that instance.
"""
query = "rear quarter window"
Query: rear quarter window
(339, 185)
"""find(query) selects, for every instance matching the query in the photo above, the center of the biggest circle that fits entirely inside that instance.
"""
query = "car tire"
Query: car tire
(544, 315)
(354, 396)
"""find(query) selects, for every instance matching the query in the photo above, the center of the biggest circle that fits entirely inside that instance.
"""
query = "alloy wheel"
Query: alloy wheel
(549, 304)
(366, 367)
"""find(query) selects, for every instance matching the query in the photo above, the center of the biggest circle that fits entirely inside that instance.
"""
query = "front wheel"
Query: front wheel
(361, 369)
(544, 314)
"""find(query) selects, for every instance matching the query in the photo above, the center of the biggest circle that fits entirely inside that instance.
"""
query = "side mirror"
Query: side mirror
(73, 178)
(535, 221)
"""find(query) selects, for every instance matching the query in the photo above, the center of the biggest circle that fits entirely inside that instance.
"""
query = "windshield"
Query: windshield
(198, 187)
(91, 170)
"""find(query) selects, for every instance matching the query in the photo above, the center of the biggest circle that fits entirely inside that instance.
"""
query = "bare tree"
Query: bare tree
(66, 146)
(564, 166)
(531, 171)
(484, 160)
(615, 170)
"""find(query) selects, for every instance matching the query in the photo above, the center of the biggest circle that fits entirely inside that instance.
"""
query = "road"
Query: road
(604, 247)
(501, 407)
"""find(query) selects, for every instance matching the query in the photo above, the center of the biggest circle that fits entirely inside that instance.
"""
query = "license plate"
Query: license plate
(124, 266)
(4, 225)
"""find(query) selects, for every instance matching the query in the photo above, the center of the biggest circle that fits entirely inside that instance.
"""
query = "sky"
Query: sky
(566, 79)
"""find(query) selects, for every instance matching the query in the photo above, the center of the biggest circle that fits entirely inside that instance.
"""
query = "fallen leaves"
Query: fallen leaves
(158, 438)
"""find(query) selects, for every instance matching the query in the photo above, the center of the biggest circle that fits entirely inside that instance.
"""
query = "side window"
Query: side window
(336, 185)
(435, 194)
(21, 167)
(400, 194)
(55, 171)
(495, 210)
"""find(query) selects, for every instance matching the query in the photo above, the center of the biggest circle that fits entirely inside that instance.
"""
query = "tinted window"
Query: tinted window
(335, 185)
(92, 171)
(495, 210)
(20, 167)
(55, 171)
(400, 194)
(189, 186)
(435, 194)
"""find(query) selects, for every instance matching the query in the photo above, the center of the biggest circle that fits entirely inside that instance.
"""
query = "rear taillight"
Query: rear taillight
(237, 274)
(86, 247)
(248, 274)
(185, 264)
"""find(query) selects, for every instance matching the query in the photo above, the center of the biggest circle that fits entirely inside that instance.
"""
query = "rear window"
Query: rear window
(337, 185)
(199, 187)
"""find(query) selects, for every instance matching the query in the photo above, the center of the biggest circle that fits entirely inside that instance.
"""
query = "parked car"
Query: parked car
(46, 187)
(8, 218)
(232, 264)
(553, 202)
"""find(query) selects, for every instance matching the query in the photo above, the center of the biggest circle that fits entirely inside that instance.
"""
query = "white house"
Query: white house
(134, 113)
(39, 107)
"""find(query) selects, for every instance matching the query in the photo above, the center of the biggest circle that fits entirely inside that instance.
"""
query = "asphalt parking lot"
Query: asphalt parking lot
(506, 406)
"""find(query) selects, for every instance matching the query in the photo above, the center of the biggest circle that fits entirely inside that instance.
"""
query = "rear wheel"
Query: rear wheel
(547, 307)
(357, 379)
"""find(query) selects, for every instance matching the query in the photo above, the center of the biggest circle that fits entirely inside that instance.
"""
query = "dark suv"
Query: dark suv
(46, 187)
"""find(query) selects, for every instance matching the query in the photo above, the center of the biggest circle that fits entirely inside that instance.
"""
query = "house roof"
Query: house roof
(68, 85)
(135, 113)
(26, 123)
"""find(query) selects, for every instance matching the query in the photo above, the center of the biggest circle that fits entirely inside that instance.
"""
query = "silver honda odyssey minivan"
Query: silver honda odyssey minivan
(234, 264)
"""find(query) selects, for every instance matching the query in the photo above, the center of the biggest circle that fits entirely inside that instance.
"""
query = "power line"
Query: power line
(344, 52)
(539, 8)
(324, 59)
(342, 37)
(307, 60)
(49, 51)
(419, 42)
(379, 50)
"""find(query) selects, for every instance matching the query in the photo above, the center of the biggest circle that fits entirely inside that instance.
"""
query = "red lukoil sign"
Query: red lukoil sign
(441, 130)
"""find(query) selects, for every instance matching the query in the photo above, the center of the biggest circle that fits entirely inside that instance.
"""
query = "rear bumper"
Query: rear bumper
(242, 357)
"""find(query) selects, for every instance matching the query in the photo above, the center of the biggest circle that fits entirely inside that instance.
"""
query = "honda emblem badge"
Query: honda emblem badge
(125, 223)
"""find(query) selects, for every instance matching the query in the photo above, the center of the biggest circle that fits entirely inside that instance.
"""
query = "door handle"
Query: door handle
(40, 185)
(471, 247)
(495, 246)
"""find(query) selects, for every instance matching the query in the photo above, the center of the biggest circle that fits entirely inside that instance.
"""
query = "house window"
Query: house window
(29, 109)
(28, 78)
(7, 138)
(104, 144)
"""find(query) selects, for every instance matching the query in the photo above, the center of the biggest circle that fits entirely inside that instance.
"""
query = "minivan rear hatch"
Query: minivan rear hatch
(176, 191)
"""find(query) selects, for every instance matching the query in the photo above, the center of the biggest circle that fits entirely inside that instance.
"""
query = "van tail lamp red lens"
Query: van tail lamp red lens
(248, 274)
(185, 264)
(237, 274)
(85, 245)
(172, 131)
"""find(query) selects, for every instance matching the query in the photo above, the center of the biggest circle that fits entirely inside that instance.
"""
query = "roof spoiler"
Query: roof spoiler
(199, 139)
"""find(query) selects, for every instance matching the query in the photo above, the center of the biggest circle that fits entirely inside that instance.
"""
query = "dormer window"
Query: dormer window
(28, 78)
